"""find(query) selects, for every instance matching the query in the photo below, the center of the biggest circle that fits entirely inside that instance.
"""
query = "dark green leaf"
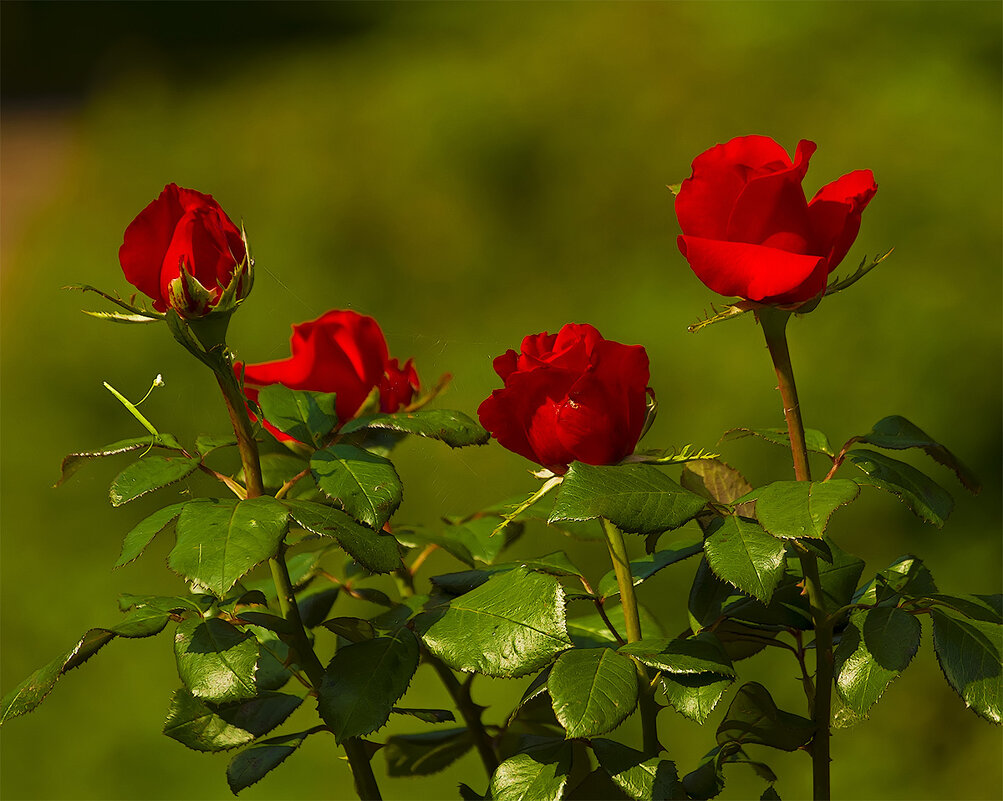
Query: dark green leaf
(511, 625)
(275, 662)
(377, 551)
(970, 653)
(254, 762)
(741, 553)
(816, 441)
(642, 779)
(593, 690)
(205, 728)
(274, 623)
(216, 661)
(143, 533)
(925, 497)
(316, 606)
(645, 567)
(694, 694)
(801, 508)
(875, 648)
(198, 604)
(707, 779)
(307, 417)
(366, 485)
(897, 433)
(220, 540)
(537, 775)
(74, 461)
(978, 607)
(754, 718)
(148, 474)
(556, 564)
(207, 443)
(364, 681)
(637, 498)
(478, 538)
(702, 653)
(353, 629)
(906, 577)
(427, 715)
(839, 578)
(32, 691)
(278, 468)
(426, 753)
(452, 427)
(770, 794)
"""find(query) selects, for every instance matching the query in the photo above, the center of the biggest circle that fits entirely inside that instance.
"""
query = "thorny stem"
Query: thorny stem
(774, 323)
(625, 582)
(355, 749)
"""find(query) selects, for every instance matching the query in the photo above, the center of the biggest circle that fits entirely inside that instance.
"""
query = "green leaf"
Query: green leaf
(452, 427)
(307, 417)
(511, 625)
(363, 682)
(753, 717)
(74, 461)
(377, 551)
(32, 691)
(702, 653)
(142, 534)
(707, 779)
(715, 480)
(970, 653)
(875, 648)
(801, 508)
(254, 762)
(906, 577)
(816, 441)
(148, 474)
(199, 604)
(694, 695)
(278, 468)
(978, 607)
(646, 566)
(426, 715)
(770, 794)
(741, 553)
(202, 727)
(556, 564)
(216, 661)
(637, 498)
(924, 497)
(366, 485)
(539, 774)
(839, 578)
(353, 629)
(477, 536)
(642, 779)
(897, 433)
(590, 631)
(593, 690)
(426, 753)
(221, 540)
(207, 443)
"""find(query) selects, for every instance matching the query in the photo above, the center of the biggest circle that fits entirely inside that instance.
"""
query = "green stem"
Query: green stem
(625, 583)
(355, 749)
(774, 323)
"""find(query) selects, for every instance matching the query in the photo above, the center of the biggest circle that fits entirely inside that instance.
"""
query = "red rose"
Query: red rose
(569, 396)
(342, 352)
(184, 230)
(748, 230)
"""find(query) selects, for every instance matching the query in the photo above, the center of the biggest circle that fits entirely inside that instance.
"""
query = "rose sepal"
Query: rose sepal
(865, 267)
(136, 314)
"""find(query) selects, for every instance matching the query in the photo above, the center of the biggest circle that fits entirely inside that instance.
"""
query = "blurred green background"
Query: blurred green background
(470, 174)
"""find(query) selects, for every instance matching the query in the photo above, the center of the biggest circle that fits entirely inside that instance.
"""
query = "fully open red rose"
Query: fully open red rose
(569, 396)
(183, 229)
(748, 230)
(342, 352)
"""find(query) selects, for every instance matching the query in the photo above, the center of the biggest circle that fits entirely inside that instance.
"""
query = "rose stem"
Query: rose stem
(460, 693)
(774, 323)
(625, 582)
(358, 759)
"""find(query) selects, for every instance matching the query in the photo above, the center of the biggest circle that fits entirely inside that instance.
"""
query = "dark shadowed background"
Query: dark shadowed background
(470, 174)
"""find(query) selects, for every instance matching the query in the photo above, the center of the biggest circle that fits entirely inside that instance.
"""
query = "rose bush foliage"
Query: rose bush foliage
(569, 396)
(184, 231)
(343, 352)
(748, 229)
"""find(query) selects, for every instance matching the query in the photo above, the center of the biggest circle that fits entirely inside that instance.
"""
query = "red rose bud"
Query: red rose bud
(569, 396)
(186, 254)
(748, 230)
(342, 352)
